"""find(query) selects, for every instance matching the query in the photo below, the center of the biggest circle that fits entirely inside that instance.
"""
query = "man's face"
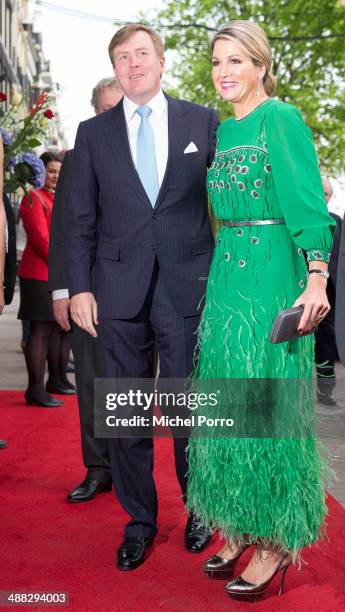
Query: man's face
(138, 67)
(107, 99)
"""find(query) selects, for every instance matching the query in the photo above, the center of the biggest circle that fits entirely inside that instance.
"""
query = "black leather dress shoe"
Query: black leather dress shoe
(3, 444)
(131, 553)
(43, 402)
(88, 489)
(196, 536)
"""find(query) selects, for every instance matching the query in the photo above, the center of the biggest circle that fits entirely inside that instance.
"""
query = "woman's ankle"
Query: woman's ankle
(231, 550)
(264, 563)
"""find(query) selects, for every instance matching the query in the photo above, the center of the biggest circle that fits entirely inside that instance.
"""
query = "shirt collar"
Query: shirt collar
(158, 105)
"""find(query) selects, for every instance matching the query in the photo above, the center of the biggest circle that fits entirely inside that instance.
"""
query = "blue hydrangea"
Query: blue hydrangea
(11, 163)
(6, 137)
(38, 173)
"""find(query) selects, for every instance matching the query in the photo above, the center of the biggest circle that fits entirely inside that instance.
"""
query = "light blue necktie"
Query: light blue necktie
(146, 155)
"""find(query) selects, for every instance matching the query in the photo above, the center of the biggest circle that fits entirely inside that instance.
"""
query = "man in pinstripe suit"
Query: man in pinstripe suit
(152, 248)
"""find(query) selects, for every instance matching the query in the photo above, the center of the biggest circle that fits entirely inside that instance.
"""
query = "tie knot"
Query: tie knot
(144, 111)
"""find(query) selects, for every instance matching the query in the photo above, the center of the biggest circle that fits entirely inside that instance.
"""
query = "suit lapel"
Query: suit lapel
(117, 139)
(178, 131)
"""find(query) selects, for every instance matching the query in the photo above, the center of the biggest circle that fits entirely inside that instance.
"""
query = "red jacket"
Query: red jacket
(36, 217)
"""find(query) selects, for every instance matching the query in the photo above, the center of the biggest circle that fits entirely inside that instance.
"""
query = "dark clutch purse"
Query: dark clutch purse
(285, 326)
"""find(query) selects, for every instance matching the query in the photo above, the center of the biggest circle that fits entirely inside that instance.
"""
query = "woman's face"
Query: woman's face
(234, 74)
(52, 174)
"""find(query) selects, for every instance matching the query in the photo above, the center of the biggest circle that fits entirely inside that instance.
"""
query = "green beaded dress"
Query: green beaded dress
(270, 488)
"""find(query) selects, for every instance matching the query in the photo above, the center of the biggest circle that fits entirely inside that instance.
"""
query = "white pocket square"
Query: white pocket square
(192, 148)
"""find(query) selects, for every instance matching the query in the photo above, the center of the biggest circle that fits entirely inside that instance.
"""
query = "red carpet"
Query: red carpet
(49, 545)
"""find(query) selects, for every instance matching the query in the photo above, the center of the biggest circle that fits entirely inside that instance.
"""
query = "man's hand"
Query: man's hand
(83, 309)
(61, 309)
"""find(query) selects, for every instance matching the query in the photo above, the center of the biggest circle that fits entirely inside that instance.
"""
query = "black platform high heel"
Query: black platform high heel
(242, 590)
(221, 569)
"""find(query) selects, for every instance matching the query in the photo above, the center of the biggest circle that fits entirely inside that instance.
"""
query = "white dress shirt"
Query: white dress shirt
(59, 294)
(159, 123)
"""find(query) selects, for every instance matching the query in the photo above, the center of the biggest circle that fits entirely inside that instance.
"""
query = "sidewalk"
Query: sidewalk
(331, 420)
(12, 364)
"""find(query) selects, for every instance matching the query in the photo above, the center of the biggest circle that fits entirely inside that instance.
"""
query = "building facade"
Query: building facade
(22, 62)
(8, 55)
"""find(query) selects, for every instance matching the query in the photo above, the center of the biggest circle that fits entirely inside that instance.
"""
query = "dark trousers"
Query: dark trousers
(129, 347)
(325, 354)
(89, 364)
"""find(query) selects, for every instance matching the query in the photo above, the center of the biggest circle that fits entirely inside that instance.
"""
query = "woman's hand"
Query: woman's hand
(316, 305)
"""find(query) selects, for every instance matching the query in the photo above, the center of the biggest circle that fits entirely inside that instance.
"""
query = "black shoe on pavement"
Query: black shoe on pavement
(327, 399)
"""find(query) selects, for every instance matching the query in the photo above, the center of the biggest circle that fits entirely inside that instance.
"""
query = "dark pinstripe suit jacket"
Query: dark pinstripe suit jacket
(111, 218)
(340, 294)
(57, 266)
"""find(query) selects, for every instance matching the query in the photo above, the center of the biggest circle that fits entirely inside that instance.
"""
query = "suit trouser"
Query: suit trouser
(129, 353)
(89, 364)
(325, 354)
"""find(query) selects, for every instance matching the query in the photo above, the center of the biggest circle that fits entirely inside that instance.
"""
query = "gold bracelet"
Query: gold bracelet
(2, 287)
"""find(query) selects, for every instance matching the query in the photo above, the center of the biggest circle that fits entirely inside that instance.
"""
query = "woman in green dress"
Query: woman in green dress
(265, 187)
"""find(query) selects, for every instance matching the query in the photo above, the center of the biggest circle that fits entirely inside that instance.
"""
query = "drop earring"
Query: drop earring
(258, 88)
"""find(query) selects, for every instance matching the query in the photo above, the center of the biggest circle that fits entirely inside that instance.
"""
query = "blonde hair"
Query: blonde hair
(255, 43)
(123, 34)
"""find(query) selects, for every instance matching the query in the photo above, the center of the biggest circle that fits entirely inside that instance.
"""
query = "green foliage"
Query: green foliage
(33, 143)
(311, 73)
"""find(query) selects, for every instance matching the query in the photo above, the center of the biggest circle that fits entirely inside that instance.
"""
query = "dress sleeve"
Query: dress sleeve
(298, 182)
(35, 224)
